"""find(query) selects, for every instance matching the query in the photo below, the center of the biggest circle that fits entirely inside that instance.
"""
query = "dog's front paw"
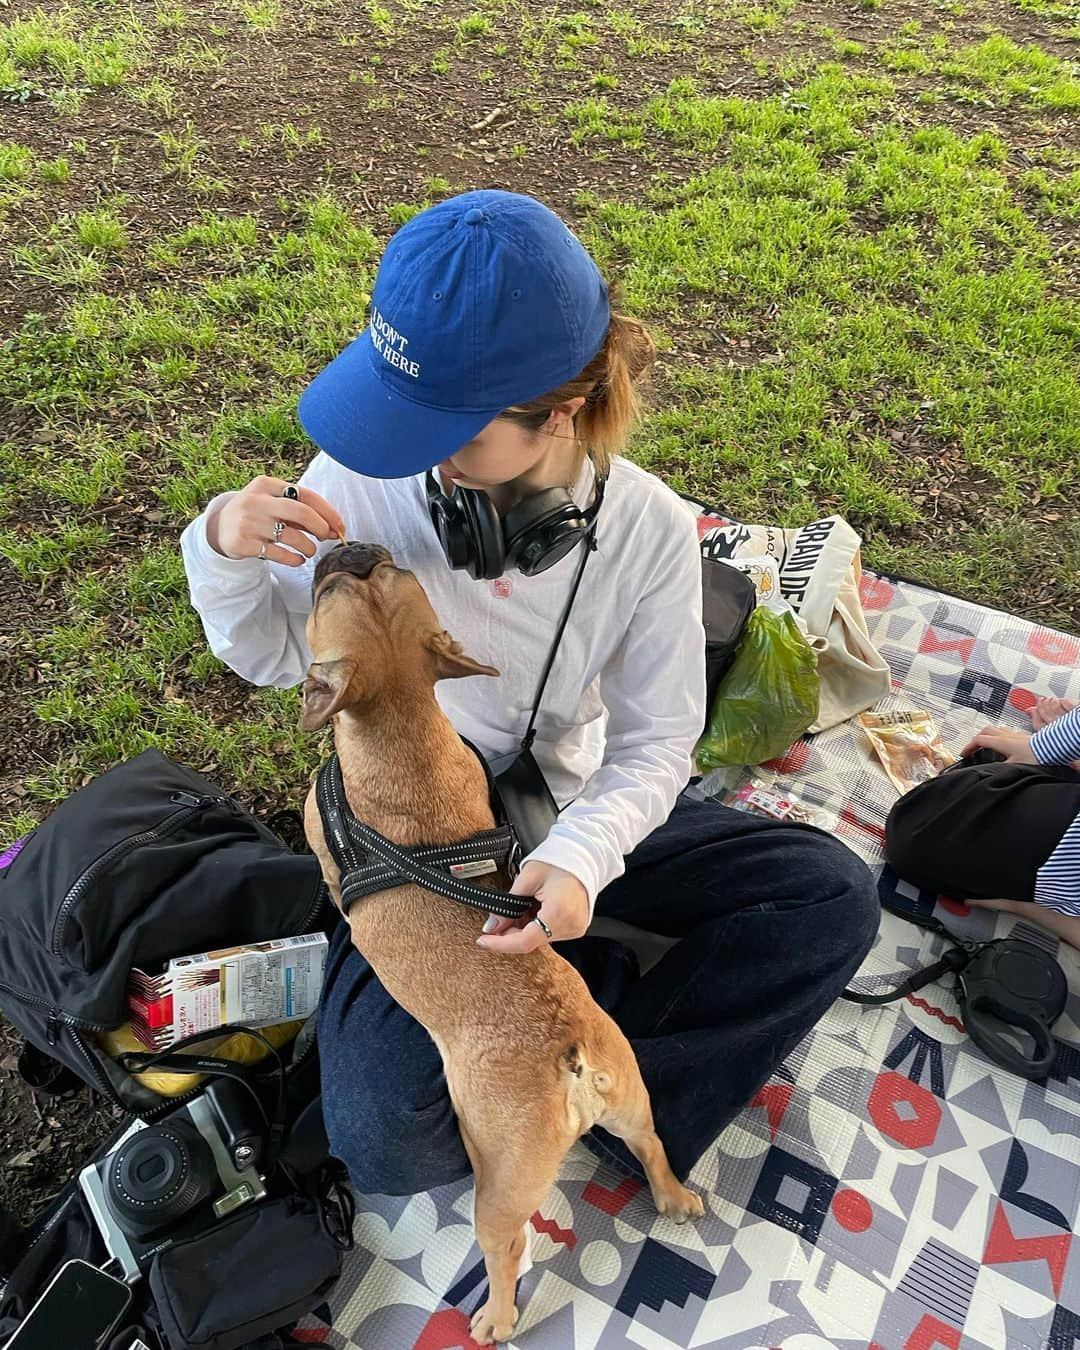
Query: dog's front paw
(680, 1204)
(486, 1329)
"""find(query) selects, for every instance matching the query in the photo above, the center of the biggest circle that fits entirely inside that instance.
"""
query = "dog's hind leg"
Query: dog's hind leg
(511, 1185)
(628, 1116)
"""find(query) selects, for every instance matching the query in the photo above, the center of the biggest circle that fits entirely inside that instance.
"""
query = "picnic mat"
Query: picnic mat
(890, 1188)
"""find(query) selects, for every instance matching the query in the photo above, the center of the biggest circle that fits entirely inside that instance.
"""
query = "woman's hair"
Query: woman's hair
(612, 405)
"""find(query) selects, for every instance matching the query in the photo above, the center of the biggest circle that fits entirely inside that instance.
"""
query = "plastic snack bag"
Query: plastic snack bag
(767, 699)
(908, 745)
(759, 800)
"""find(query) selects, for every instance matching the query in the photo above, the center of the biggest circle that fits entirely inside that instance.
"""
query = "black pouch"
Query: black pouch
(526, 798)
(728, 598)
(257, 1272)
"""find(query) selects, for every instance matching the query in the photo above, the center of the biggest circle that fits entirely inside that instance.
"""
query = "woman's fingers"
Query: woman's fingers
(990, 737)
(276, 554)
(297, 540)
(518, 940)
(295, 513)
(244, 527)
(496, 924)
(322, 508)
(1049, 709)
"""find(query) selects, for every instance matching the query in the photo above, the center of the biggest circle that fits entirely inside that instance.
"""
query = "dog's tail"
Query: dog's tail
(574, 1063)
(589, 1083)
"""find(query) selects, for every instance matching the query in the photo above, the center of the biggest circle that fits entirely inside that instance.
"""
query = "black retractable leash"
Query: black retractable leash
(1004, 980)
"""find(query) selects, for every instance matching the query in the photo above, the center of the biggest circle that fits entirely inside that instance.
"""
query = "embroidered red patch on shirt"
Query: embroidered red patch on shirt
(501, 588)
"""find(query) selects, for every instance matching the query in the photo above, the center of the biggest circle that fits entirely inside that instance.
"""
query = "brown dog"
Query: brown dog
(531, 1061)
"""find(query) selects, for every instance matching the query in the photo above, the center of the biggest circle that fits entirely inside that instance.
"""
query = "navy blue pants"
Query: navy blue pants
(772, 922)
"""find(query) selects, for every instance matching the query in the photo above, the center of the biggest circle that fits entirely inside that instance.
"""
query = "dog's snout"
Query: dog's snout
(359, 560)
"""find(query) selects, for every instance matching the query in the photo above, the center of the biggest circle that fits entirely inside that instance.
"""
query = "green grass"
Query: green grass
(68, 47)
(16, 163)
(889, 260)
(1001, 69)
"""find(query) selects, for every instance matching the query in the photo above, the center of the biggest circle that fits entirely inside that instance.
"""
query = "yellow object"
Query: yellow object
(237, 1047)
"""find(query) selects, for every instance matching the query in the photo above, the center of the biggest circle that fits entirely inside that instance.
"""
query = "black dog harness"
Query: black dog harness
(370, 862)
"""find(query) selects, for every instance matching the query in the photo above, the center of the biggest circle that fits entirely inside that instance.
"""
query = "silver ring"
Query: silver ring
(279, 526)
(262, 554)
(292, 492)
(544, 928)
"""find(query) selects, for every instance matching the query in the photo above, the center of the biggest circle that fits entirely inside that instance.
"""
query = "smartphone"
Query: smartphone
(78, 1309)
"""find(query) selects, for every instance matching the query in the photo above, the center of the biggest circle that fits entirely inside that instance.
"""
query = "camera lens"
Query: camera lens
(159, 1175)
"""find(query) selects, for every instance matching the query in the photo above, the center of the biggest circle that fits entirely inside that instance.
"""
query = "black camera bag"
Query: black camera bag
(241, 1285)
(148, 861)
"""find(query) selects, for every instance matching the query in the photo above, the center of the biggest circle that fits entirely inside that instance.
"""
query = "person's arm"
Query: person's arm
(1058, 742)
(654, 690)
(254, 612)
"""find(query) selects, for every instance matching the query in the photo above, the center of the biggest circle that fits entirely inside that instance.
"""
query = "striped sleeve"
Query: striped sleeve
(1058, 742)
(1057, 885)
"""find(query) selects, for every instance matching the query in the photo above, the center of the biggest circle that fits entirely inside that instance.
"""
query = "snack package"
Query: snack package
(765, 574)
(908, 745)
(758, 800)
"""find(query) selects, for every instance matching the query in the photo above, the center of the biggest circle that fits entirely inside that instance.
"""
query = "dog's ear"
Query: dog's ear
(451, 662)
(325, 691)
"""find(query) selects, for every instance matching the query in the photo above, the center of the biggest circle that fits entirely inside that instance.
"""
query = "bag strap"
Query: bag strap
(171, 1061)
(590, 547)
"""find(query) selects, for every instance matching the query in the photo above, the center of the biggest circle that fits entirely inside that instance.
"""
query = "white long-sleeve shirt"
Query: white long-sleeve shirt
(625, 701)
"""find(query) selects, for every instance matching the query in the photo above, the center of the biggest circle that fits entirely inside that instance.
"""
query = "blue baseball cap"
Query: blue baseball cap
(481, 302)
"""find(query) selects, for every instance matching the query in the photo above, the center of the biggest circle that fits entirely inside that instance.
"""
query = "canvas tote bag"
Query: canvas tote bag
(820, 570)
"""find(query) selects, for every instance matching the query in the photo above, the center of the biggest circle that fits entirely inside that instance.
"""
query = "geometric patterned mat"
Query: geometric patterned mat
(890, 1188)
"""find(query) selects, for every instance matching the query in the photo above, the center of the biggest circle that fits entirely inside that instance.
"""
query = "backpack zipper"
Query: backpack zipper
(191, 804)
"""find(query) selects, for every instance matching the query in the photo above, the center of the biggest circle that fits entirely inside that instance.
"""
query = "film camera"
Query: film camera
(173, 1179)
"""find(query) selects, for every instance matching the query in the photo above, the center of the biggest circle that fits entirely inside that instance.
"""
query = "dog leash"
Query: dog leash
(1005, 981)
(370, 862)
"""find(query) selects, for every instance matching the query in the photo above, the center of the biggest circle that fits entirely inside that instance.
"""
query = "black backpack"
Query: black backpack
(148, 861)
(152, 860)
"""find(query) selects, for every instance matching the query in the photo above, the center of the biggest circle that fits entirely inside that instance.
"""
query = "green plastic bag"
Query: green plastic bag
(767, 699)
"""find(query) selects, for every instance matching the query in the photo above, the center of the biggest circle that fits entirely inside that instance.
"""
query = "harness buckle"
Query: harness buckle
(514, 855)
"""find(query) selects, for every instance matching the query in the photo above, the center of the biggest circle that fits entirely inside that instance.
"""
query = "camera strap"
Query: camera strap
(170, 1061)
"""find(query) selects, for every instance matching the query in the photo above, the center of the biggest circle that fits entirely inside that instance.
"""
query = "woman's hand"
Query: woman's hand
(563, 906)
(1014, 745)
(1047, 710)
(245, 523)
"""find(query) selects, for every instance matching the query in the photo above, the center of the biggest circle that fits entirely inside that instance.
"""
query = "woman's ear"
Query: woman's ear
(451, 662)
(565, 413)
(325, 692)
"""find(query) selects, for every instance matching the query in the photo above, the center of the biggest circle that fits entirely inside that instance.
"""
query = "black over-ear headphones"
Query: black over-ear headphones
(533, 536)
